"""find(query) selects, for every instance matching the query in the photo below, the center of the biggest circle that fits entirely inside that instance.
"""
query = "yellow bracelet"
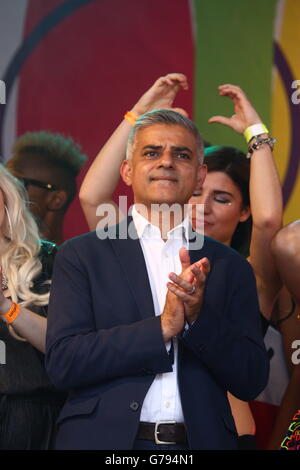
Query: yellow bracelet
(255, 130)
(131, 117)
(12, 313)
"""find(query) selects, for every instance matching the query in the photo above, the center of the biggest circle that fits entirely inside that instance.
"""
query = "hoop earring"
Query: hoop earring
(9, 220)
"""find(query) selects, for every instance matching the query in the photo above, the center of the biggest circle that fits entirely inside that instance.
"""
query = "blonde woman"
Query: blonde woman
(29, 404)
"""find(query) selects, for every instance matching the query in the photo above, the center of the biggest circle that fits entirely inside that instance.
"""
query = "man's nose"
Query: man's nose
(166, 160)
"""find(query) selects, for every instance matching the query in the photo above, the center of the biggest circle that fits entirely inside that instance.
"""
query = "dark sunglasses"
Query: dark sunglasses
(40, 184)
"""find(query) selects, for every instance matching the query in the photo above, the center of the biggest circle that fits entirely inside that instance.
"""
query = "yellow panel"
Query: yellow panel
(281, 126)
(289, 40)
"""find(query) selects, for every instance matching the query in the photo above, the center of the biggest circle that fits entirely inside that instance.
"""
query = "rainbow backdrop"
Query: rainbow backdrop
(75, 66)
(256, 46)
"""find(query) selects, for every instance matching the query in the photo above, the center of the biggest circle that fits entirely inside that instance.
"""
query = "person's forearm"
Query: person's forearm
(265, 191)
(29, 326)
(102, 177)
(266, 209)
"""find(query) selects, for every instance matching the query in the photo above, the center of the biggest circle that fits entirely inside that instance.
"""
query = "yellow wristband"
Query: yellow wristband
(12, 313)
(131, 117)
(254, 130)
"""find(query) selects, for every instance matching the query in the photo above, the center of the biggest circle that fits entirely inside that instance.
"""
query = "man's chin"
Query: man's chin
(166, 201)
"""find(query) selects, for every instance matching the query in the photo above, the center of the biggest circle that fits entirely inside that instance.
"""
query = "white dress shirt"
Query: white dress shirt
(162, 401)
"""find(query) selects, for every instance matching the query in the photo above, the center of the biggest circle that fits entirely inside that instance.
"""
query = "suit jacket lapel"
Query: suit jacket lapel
(131, 258)
(195, 241)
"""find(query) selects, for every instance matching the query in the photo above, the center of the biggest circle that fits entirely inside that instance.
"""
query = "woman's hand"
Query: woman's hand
(245, 115)
(162, 94)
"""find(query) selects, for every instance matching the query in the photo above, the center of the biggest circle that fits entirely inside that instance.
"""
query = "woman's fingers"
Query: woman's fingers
(221, 120)
(174, 79)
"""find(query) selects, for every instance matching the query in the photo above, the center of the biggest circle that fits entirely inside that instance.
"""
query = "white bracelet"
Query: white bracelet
(255, 130)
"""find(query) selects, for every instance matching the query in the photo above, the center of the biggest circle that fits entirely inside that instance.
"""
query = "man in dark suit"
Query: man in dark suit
(148, 365)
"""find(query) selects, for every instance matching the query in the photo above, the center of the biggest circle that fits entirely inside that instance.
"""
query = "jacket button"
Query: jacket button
(134, 405)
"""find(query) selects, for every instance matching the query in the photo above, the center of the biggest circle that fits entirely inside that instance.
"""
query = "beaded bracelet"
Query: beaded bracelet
(257, 142)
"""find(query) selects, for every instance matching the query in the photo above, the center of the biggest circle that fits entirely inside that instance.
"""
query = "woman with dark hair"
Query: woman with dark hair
(233, 163)
(225, 194)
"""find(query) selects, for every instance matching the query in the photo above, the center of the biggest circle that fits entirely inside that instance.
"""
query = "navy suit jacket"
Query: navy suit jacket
(105, 345)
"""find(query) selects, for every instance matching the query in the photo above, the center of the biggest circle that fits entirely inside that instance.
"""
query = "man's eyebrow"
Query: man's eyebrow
(177, 148)
(152, 147)
(181, 149)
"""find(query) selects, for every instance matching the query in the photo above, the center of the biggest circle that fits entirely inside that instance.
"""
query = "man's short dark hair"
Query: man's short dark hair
(164, 116)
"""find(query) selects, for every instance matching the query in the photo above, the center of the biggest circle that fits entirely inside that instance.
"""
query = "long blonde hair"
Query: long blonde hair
(21, 243)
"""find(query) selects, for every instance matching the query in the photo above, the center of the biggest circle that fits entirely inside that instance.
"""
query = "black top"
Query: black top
(24, 371)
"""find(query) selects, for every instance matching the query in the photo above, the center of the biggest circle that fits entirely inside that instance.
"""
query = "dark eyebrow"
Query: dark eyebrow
(175, 147)
(181, 149)
(152, 147)
(217, 191)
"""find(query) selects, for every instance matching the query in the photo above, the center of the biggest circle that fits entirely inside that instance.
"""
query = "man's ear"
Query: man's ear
(245, 214)
(201, 175)
(126, 172)
(56, 200)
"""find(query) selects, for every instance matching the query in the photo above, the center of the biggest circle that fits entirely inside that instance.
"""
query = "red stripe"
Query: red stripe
(265, 416)
(92, 67)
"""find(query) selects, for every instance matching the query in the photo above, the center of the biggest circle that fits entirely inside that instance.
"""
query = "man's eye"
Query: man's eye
(183, 156)
(151, 154)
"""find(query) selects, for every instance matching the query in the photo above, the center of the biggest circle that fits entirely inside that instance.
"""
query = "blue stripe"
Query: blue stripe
(293, 160)
(30, 43)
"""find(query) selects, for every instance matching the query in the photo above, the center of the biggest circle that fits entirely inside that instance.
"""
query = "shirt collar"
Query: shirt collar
(145, 229)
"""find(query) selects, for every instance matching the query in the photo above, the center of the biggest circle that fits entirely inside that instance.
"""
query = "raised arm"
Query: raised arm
(102, 178)
(265, 199)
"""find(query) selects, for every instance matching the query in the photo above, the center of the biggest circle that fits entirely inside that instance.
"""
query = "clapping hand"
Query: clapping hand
(189, 285)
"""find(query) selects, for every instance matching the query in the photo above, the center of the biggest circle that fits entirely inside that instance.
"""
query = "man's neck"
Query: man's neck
(162, 216)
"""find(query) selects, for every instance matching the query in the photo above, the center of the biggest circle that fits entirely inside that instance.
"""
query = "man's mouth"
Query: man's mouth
(163, 178)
